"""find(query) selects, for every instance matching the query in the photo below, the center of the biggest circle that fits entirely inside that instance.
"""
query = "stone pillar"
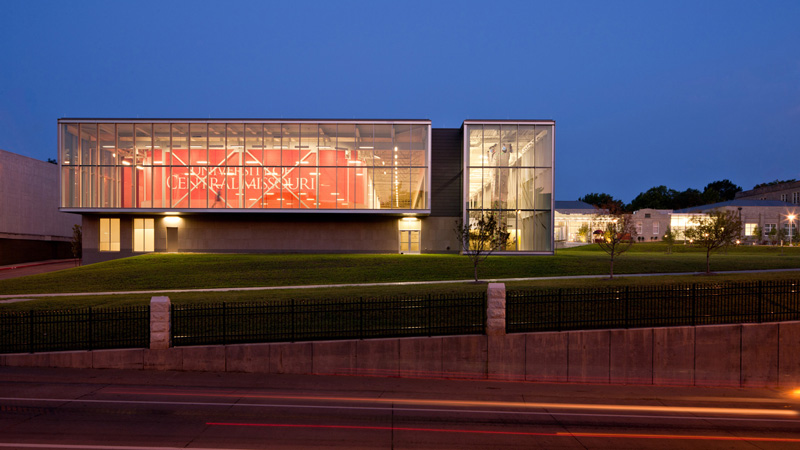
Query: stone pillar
(159, 323)
(496, 309)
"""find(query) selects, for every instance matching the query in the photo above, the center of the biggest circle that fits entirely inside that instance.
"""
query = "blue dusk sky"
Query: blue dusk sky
(644, 93)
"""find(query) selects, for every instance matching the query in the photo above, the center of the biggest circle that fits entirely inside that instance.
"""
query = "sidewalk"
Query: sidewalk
(402, 283)
(33, 268)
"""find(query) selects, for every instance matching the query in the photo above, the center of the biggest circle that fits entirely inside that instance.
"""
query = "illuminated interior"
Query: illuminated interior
(510, 174)
(249, 165)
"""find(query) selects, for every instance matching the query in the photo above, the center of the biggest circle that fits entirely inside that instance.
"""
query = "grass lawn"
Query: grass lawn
(194, 271)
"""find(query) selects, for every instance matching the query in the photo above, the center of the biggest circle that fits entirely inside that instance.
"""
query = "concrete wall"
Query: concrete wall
(29, 201)
(275, 233)
(753, 355)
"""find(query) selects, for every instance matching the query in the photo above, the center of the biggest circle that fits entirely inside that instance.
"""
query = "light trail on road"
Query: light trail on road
(393, 408)
(494, 404)
(518, 433)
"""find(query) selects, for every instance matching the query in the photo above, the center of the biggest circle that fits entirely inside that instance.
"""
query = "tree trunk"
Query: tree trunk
(708, 262)
(612, 268)
(476, 272)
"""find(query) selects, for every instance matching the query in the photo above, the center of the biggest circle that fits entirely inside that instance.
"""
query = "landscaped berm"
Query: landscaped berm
(154, 272)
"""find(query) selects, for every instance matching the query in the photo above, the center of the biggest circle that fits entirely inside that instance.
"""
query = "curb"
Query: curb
(22, 266)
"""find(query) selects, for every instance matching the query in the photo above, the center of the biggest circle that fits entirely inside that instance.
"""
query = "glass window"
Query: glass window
(365, 144)
(198, 144)
(108, 147)
(327, 144)
(272, 144)
(383, 153)
(179, 183)
(543, 188)
(656, 229)
(198, 185)
(253, 144)
(109, 235)
(180, 144)
(271, 183)
(70, 186)
(402, 144)
(475, 143)
(419, 145)
(253, 195)
(235, 144)
(346, 145)
(526, 143)
(143, 235)
(508, 145)
(143, 143)
(216, 144)
(290, 144)
(491, 145)
(308, 144)
(88, 143)
(543, 150)
(70, 144)
(208, 165)
(506, 179)
(418, 193)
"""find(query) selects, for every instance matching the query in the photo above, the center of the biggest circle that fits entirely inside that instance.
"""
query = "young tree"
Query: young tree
(619, 233)
(757, 234)
(717, 230)
(669, 239)
(584, 232)
(481, 238)
(77, 242)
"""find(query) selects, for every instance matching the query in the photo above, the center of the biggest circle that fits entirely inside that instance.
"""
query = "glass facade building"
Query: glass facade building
(304, 185)
(245, 165)
(508, 167)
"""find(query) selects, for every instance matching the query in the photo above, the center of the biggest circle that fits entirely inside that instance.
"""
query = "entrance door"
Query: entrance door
(409, 241)
(172, 239)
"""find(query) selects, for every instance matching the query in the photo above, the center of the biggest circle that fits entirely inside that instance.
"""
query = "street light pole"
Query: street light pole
(791, 227)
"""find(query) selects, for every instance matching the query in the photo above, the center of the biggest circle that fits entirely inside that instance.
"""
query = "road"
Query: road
(111, 409)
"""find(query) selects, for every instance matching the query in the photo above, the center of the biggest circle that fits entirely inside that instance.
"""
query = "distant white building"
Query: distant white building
(31, 226)
(651, 224)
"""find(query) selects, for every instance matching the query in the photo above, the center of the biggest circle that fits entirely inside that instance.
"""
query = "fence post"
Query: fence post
(558, 306)
(292, 315)
(91, 335)
(760, 301)
(429, 313)
(31, 347)
(160, 323)
(224, 325)
(361, 318)
(496, 309)
(694, 304)
(627, 307)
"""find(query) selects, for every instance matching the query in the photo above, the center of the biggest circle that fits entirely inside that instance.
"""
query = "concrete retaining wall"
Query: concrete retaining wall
(753, 355)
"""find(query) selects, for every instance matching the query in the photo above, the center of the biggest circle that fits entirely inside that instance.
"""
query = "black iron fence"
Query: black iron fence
(304, 320)
(661, 306)
(84, 329)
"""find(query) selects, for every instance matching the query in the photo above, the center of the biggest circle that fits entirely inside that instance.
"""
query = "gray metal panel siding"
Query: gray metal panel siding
(446, 172)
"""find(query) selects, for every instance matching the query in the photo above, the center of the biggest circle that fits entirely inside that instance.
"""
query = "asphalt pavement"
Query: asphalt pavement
(115, 409)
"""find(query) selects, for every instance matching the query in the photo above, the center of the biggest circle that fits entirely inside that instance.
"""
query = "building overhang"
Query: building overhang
(286, 212)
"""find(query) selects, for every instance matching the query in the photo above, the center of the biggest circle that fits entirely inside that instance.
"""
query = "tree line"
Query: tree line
(662, 197)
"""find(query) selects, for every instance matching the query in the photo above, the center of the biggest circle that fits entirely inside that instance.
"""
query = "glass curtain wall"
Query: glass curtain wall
(510, 175)
(331, 166)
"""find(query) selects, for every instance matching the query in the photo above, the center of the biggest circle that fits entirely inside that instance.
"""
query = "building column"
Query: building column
(496, 309)
(159, 323)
